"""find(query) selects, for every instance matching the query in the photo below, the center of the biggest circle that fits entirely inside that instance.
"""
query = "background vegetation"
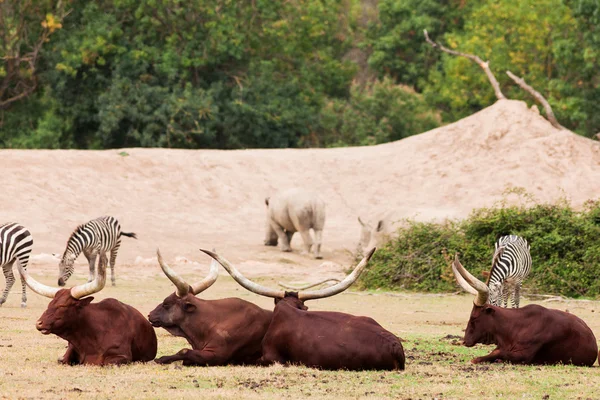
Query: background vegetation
(564, 248)
(229, 74)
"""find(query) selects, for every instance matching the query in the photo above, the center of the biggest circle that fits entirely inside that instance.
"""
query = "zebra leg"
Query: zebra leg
(91, 257)
(23, 293)
(505, 292)
(516, 296)
(10, 280)
(113, 259)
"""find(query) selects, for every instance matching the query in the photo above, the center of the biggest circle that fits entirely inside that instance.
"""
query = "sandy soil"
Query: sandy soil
(181, 200)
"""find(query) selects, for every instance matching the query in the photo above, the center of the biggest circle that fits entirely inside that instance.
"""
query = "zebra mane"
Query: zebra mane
(497, 255)
(77, 230)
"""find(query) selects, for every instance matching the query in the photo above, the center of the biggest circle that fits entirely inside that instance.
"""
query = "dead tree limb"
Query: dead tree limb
(485, 65)
(538, 96)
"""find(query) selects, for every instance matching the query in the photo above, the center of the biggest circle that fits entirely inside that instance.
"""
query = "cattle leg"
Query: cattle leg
(91, 257)
(204, 357)
(317, 245)
(283, 239)
(497, 354)
(10, 280)
(71, 356)
(307, 239)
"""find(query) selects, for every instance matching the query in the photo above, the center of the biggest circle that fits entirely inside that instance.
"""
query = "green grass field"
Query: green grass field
(438, 366)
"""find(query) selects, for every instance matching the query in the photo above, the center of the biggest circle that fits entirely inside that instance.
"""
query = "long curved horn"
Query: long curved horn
(207, 282)
(94, 286)
(338, 287)
(310, 285)
(34, 285)
(481, 288)
(182, 287)
(245, 282)
(461, 281)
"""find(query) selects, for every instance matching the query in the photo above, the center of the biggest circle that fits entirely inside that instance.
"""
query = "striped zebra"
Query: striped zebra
(510, 265)
(93, 238)
(15, 245)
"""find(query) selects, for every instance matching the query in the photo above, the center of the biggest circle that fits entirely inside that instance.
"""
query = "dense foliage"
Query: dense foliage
(227, 74)
(564, 248)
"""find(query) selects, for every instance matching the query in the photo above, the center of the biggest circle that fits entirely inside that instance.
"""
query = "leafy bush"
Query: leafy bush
(565, 249)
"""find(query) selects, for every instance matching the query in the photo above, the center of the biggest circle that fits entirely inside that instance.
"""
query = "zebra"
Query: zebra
(95, 237)
(510, 265)
(15, 245)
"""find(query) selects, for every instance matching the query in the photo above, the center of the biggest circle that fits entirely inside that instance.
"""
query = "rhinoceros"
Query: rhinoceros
(291, 211)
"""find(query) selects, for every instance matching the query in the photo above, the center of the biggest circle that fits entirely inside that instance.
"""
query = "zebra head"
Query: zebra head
(65, 268)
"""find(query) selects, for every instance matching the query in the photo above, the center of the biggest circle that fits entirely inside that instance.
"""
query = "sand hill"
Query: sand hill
(181, 200)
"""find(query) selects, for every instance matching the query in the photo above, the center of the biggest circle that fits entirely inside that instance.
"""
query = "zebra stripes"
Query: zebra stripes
(93, 238)
(510, 265)
(15, 245)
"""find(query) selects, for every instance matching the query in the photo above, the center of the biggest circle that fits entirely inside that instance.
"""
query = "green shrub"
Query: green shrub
(565, 248)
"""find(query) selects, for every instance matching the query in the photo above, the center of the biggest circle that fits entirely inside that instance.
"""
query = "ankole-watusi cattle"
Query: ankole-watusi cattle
(221, 332)
(107, 332)
(529, 335)
(322, 339)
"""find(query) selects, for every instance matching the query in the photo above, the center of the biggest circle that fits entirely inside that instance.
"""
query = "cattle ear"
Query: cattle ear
(489, 310)
(85, 301)
(189, 307)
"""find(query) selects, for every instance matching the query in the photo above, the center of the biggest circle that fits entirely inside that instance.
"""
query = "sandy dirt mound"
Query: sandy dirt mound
(181, 200)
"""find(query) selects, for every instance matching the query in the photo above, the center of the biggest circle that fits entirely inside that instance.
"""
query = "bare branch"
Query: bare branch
(485, 65)
(537, 95)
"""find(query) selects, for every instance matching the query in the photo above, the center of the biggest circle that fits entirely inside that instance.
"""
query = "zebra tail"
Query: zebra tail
(129, 234)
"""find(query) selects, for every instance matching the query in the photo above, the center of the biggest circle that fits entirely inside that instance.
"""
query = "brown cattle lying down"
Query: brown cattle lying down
(321, 339)
(221, 332)
(529, 335)
(107, 332)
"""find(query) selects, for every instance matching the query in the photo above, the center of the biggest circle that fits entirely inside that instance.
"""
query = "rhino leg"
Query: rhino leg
(284, 243)
(289, 236)
(317, 245)
(307, 240)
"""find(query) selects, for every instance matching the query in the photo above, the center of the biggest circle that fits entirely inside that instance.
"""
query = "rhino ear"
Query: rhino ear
(360, 221)
(267, 201)
(380, 225)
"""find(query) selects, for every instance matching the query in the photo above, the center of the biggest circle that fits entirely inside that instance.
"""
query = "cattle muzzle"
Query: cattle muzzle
(154, 320)
(39, 325)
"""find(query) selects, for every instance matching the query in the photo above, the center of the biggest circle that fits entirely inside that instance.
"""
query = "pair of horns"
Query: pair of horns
(470, 284)
(279, 294)
(77, 292)
(182, 286)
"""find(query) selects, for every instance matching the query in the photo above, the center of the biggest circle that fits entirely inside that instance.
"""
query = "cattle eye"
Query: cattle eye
(489, 310)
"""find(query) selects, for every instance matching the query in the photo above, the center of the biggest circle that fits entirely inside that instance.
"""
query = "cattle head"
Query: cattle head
(482, 323)
(271, 238)
(296, 299)
(66, 305)
(172, 313)
(65, 268)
